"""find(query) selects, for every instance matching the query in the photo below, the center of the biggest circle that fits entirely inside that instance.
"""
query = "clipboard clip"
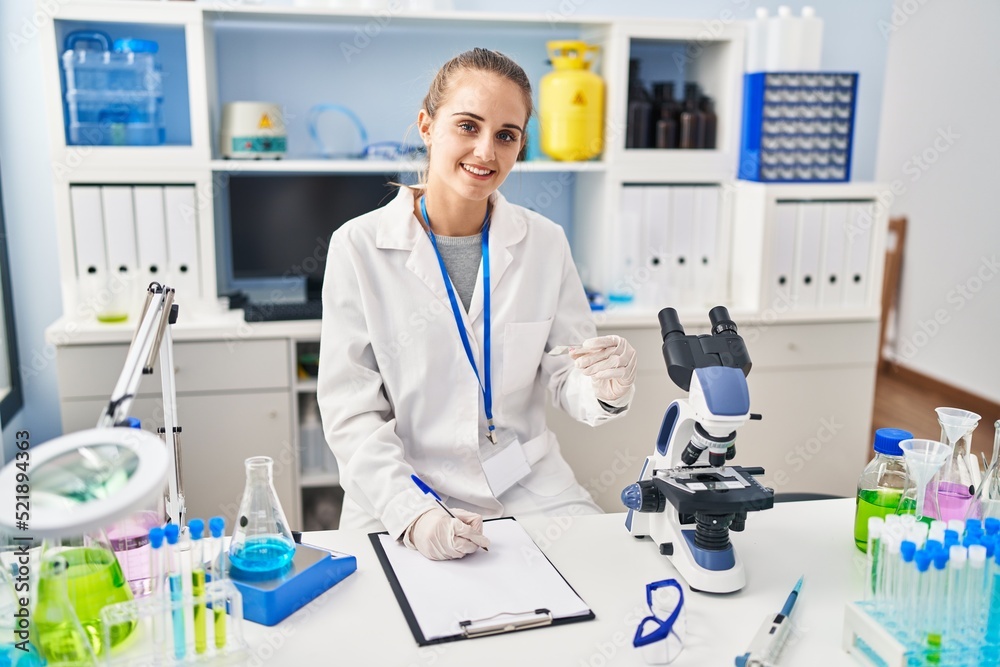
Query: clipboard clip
(506, 622)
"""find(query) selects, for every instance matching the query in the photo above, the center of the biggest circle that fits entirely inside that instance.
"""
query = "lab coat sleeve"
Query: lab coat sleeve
(571, 390)
(358, 419)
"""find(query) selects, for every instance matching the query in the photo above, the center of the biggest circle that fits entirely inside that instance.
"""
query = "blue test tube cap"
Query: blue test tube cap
(908, 549)
(216, 525)
(950, 538)
(156, 537)
(970, 539)
(197, 528)
(933, 546)
(171, 532)
(941, 559)
(923, 560)
(990, 542)
(992, 525)
(973, 526)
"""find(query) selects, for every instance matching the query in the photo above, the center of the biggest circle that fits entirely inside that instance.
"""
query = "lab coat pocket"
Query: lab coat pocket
(550, 474)
(523, 346)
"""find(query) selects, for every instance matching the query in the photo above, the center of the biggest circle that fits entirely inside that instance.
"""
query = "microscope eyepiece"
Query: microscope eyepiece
(669, 323)
(721, 322)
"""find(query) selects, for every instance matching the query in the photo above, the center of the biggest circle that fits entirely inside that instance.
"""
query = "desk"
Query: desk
(358, 621)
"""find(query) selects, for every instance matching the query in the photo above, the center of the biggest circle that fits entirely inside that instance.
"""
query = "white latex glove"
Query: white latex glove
(439, 537)
(610, 362)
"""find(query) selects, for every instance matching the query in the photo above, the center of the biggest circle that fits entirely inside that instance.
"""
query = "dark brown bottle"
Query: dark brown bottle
(638, 127)
(666, 111)
(690, 119)
(709, 121)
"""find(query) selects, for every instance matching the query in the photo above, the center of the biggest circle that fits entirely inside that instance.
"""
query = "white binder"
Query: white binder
(656, 245)
(782, 260)
(626, 252)
(831, 287)
(704, 268)
(860, 221)
(682, 226)
(151, 232)
(808, 252)
(88, 231)
(119, 230)
(182, 241)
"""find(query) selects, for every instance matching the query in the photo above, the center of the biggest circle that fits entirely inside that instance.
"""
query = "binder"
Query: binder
(831, 288)
(704, 258)
(655, 244)
(88, 231)
(512, 587)
(860, 221)
(151, 232)
(682, 225)
(119, 229)
(182, 241)
(807, 260)
(625, 258)
(782, 259)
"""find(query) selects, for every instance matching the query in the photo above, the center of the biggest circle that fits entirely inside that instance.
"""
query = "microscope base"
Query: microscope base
(690, 561)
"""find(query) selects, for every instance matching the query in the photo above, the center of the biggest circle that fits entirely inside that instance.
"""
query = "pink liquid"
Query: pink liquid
(953, 499)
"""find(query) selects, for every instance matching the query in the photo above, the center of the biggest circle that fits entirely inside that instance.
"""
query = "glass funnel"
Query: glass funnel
(959, 478)
(986, 503)
(262, 545)
(924, 458)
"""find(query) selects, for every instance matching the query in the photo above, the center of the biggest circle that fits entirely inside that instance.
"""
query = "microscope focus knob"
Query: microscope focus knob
(644, 497)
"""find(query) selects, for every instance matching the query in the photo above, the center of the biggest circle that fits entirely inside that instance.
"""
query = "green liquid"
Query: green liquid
(220, 627)
(880, 503)
(94, 580)
(198, 591)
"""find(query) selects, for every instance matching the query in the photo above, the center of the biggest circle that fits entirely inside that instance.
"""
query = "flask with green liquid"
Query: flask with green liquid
(882, 482)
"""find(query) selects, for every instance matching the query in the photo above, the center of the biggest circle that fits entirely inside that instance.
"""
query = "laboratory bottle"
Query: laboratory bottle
(262, 546)
(986, 503)
(666, 111)
(690, 118)
(756, 53)
(784, 41)
(710, 121)
(881, 484)
(811, 40)
(638, 131)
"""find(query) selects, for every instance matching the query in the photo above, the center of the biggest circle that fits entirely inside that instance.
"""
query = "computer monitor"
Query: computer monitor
(279, 225)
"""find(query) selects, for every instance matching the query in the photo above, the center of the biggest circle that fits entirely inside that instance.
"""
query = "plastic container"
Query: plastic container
(114, 91)
(882, 482)
(571, 103)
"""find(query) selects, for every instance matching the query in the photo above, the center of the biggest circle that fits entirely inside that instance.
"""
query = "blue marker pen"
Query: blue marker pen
(431, 492)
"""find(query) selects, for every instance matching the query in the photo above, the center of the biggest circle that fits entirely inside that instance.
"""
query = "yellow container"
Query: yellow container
(571, 103)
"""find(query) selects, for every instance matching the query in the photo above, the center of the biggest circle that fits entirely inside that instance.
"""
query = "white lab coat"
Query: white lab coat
(396, 391)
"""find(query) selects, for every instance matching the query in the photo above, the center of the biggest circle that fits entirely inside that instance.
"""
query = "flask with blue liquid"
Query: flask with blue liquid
(262, 546)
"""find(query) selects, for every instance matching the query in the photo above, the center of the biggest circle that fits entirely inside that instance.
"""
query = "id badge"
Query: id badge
(504, 463)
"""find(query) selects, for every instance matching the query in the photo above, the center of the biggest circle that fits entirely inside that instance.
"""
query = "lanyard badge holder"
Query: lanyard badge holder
(659, 634)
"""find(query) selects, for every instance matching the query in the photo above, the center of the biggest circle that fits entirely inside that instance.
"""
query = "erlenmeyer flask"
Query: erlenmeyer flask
(86, 569)
(61, 637)
(15, 650)
(987, 500)
(262, 545)
(960, 477)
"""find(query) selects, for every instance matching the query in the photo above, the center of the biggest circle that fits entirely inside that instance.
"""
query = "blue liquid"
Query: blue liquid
(11, 656)
(261, 557)
(177, 613)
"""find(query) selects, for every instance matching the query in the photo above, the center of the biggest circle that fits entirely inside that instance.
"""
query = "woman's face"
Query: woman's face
(476, 135)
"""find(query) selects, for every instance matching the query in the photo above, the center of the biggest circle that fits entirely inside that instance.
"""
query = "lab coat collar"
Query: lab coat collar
(399, 229)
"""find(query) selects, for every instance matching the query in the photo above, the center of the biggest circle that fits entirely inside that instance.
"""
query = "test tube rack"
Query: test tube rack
(152, 640)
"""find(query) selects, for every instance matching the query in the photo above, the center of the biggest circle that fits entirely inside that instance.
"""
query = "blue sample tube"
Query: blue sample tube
(176, 585)
(196, 528)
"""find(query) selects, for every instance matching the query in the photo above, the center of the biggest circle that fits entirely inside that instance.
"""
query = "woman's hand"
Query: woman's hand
(439, 537)
(610, 362)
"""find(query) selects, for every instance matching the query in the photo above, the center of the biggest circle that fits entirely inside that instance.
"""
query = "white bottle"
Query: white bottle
(812, 40)
(784, 41)
(313, 449)
(756, 60)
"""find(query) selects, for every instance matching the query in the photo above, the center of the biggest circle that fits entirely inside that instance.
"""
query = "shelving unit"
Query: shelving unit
(380, 65)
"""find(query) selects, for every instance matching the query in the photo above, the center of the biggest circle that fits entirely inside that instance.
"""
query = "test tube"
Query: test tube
(176, 585)
(922, 559)
(156, 581)
(957, 575)
(875, 524)
(974, 590)
(992, 649)
(938, 600)
(905, 599)
(216, 525)
(196, 528)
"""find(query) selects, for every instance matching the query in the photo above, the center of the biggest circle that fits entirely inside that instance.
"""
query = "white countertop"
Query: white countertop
(359, 622)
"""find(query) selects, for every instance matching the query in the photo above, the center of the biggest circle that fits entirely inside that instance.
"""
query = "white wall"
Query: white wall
(939, 147)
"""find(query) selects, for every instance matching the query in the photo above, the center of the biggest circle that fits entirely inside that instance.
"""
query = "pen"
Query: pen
(431, 492)
(771, 636)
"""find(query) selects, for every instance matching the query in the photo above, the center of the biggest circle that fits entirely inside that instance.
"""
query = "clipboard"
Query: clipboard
(512, 587)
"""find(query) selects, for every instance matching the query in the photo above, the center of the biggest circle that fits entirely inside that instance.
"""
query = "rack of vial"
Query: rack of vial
(932, 595)
(193, 614)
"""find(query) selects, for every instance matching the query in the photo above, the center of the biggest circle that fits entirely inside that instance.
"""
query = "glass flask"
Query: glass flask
(262, 545)
(881, 484)
(958, 479)
(84, 570)
(986, 503)
(61, 637)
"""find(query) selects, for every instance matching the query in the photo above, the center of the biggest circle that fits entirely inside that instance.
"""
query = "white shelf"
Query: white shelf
(317, 480)
(316, 166)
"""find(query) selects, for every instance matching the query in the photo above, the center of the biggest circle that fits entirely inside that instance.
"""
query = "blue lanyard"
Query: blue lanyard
(484, 383)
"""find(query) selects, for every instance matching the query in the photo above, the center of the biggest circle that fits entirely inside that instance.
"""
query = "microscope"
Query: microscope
(688, 505)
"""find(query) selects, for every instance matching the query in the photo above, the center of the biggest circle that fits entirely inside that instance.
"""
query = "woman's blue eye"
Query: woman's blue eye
(507, 136)
(467, 126)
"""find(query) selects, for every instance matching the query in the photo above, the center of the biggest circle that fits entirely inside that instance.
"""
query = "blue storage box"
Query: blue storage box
(313, 572)
(114, 91)
(798, 127)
